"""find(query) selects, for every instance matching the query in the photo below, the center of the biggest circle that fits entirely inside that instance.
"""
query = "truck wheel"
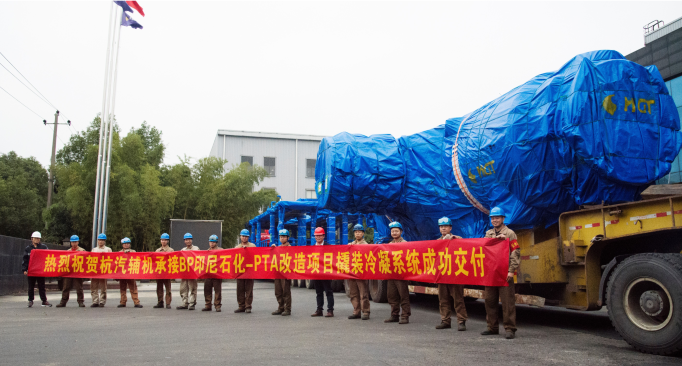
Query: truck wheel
(377, 289)
(346, 288)
(301, 284)
(337, 285)
(294, 283)
(310, 284)
(644, 299)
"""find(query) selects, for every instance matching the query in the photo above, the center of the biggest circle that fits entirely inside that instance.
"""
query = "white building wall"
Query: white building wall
(283, 149)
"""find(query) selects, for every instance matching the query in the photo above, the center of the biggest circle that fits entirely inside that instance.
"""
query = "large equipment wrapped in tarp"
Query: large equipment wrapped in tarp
(601, 128)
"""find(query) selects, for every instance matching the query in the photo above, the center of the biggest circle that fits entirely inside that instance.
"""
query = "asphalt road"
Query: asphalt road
(112, 336)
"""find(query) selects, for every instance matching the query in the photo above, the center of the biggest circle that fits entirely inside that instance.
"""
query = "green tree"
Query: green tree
(23, 195)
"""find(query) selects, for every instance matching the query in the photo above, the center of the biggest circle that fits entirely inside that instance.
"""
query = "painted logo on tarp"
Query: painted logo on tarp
(643, 105)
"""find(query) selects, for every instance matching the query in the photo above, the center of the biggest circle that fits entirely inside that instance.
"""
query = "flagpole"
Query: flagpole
(95, 213)
(107, 122)
(113, 107)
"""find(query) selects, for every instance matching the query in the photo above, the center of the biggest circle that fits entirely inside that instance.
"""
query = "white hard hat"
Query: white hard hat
(36, 234)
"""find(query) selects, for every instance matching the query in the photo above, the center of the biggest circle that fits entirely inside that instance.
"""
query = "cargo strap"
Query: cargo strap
(460, 179)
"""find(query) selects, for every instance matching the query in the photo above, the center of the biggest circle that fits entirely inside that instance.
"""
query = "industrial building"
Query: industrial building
(663, 48)
(288, 158)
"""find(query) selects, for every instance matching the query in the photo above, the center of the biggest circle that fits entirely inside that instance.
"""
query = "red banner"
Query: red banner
(459, 261)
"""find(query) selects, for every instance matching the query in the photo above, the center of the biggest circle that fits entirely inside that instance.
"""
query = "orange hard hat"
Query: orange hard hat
(319, 231)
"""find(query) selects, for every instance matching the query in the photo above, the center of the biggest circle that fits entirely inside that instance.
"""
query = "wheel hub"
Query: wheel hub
(651, 302)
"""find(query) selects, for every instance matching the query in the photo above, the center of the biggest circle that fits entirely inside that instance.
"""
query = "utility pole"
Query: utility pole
(50, 183)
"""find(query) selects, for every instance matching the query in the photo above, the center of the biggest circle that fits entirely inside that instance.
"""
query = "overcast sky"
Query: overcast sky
(314, 68)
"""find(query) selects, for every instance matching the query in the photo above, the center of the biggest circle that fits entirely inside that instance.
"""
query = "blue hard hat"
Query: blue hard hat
(101, 237)
(444, 221)
(165, 236)
(358, 227)
(496, 211)
(213, 238)
(74, 238)
(187, 236)
(244, 232)
(395, 224)
(125, 240)
(284, 232)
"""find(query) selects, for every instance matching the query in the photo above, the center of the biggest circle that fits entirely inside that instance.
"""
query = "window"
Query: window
(310, 168)
(269, 164)
(248, 159)
(310, 193)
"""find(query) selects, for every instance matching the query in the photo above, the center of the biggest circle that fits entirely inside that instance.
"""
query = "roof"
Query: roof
(270, 135)
(663, 31)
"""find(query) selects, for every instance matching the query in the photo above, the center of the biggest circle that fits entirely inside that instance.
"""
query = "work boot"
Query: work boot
(392, 319)
(81, 305)
(240, 310)
(30, 304)
(182, 307)
(317, 313)
(462, 326)
(191, 307)
(490, 332)
(365, 316)
(354, 316)
(278, 312)
(101, 305)
(510, 334)
(121, 305)
(248, 311)
(404, 321)
(45, 303)
(168, 306)
(94, 305)
(208, 308)
(286, 313)
(330, 314)
(139, 306)
(443, 325)
(61, 305)
(158, 306)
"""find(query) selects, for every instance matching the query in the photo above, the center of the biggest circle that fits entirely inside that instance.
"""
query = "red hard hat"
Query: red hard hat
(319, 231)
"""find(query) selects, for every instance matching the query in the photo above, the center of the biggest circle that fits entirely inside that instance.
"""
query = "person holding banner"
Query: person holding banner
(359, 294)
(448, 291)
(98, 286)
(69, 283)
(165, 248)
(35, 244)
(397, 292)
(283, 286)
(212, 285)
(188, 288)
(323, 285)
(128, 284)
(505, 294)
(244, 287)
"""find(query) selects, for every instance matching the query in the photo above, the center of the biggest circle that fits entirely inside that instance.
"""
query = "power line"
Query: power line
(22, 75)
(31, 90)
(21, 102)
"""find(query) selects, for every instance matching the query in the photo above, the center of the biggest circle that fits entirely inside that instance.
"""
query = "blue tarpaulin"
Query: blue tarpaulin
(601, 128)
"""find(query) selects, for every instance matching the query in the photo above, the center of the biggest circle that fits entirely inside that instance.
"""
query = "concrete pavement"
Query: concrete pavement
(129, 336)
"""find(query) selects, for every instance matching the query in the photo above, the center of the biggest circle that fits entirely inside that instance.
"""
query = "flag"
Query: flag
(136, 6)
(124, 5)
(127, 21)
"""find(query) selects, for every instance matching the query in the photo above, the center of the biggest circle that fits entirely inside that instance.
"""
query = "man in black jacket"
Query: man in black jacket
(35, 238)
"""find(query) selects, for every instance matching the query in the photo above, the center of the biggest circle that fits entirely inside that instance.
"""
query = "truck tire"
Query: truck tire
(377, 290)
(644, 299)
(337, 285)
(309, 284)
(346, 288)
(302, 284)
(294, 283)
